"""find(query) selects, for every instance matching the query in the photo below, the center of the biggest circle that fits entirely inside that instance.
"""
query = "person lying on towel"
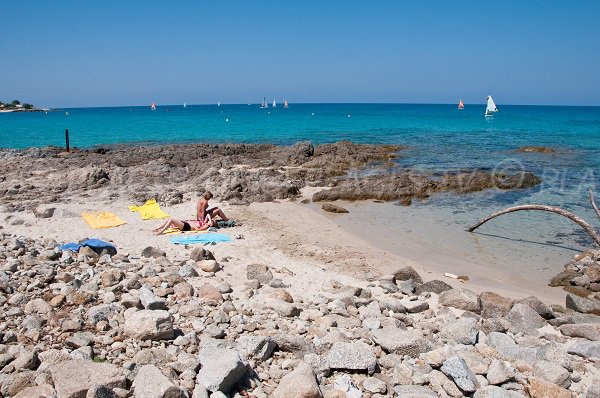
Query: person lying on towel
(189, 225)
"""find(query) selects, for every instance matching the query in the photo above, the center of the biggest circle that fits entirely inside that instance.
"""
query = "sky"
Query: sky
(112, 53)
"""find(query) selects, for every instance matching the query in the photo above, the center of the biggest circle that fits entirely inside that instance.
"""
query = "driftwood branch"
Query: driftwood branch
(573, 217)
(593, 202)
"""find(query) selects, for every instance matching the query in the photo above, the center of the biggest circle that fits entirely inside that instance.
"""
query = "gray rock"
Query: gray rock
(150, 382)
(200, 253)
(100, 391)
(409, 391)
(102, 312)
(416, 306)
(375, 385)
(149, 325)
(352, 356)
(200, 391)
(585, 349)
(72, 379)
(457, 369)
(41, 391)
(187, 272)
(407, 286)
(331, 208)
(590, 331)
(463, 299)
(150, 301)
(496, 392)
(300, 383)
(256, 347)
(493, 305)
(16, 382)
(80, 339)
(509, 349)
(282, 308)
(44, 211)
(434, 286)
(542, 309)
(402, 342)
(574, 318)
(552, 372)
(500, 372)
(524, 319)
(152, 252)
(594, 390)
(461, 331)
(406, 273)
(259, 272)
(583, 305)
(222, 369)
(26, 360)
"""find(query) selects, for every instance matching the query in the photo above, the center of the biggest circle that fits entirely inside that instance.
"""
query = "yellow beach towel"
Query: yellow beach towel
(150, 210)
(104, 219)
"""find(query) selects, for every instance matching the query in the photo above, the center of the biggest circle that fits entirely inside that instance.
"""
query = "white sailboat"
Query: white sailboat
(264, 105)
(185, 104)
(491, 107)
(274, 104)
(285, 103)
(219, 104)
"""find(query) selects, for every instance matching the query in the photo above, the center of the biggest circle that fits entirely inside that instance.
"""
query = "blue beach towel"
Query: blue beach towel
(201, 238)
(96, 245)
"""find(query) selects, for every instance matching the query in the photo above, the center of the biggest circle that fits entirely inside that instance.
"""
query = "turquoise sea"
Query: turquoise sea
(439, 137)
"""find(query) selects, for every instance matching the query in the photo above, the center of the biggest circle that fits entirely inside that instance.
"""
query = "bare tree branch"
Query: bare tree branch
(593, 202)
(573, 217)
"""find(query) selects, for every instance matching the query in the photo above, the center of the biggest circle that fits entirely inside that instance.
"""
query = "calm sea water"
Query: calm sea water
(439, 137)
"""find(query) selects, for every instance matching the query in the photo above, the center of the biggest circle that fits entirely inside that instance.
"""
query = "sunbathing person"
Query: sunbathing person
(189, 225)
(203, 210)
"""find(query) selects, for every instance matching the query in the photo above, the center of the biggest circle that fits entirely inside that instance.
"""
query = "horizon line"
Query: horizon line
(314, 103)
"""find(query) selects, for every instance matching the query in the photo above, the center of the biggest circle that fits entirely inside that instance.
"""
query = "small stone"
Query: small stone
(463, 299)
(258, 348)
(150, 301)
(583, 305)
(222, 369)
(434, 286)
(200, 253)
(331, 208)
(500, 372)
(402, 342)
(456, 368)
(152, 252)
(209, 265)
(211, 293)
(72, 379)
(283, 295)
(352, 356)
(260, 272)
(100, 391)
(524, 319)
(300, 383)
(375, 385)
(149, 325)
(461, 331)
(406, 273)
(493, 305)
(150, 382)
(540, 388)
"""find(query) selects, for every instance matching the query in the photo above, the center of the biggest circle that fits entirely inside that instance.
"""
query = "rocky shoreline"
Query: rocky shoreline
(213, 323)
(237, 173)
(144, 325)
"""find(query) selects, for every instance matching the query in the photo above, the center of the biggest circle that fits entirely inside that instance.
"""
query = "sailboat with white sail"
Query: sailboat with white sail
(274, 104)
(185, 104)
(491, 107)
(153, 106)
(285, 104)
(264, 105)
(460, 104)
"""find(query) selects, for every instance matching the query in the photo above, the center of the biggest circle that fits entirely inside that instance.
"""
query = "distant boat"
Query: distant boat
(491, 107)
(185, 104)
(285, 104)
(153, 106)
(274, 104)
(264, 105)
(219, 103)
(461, 105)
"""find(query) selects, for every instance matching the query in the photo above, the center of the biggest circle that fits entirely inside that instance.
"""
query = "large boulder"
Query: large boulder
(461, 331)
(72, 379)
(524, 319)
(301, 383)
(463, 299)
(540, 388)
(401, 342)
(149, 325)
(456, 368)
(406, 273)
(583, 305)
(352, 356)
(493, 305)
(150, 382)
(222, 369)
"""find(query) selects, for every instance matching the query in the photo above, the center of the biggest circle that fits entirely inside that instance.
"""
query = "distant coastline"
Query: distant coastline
(17, 106)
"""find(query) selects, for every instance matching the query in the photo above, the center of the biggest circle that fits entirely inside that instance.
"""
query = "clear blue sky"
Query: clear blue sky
(102, 53)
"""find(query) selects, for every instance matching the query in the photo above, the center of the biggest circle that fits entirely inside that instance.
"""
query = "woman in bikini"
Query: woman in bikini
(189, 225)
